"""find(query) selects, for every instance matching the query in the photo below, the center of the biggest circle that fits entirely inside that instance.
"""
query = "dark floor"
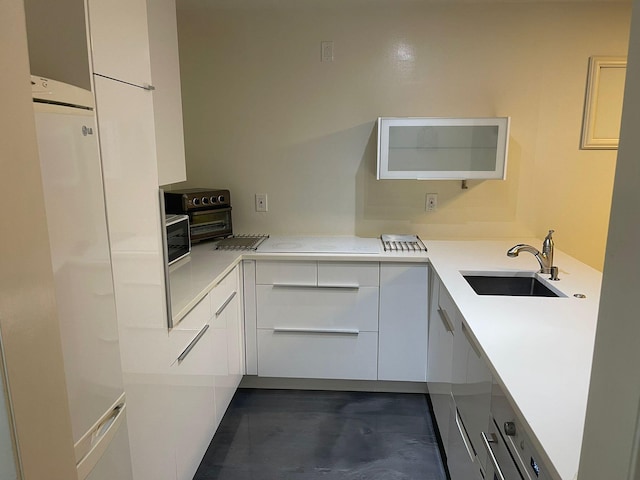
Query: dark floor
(308, 435)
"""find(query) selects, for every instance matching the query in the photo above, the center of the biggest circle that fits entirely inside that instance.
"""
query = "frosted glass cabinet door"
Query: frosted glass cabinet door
(442, 148)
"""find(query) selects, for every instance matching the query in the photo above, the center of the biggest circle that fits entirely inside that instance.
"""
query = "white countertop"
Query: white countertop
(539, 348)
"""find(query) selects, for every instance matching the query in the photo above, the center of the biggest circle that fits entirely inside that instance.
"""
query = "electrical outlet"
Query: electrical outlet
(431, 203)
(261, 202)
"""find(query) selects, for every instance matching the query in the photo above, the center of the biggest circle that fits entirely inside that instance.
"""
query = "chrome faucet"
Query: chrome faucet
(545, 258)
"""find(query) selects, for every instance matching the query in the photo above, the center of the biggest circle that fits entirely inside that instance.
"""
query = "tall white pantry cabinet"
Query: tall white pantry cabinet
(127, 112)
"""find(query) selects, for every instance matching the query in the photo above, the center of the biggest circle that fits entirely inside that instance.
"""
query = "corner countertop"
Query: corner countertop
(540, 349)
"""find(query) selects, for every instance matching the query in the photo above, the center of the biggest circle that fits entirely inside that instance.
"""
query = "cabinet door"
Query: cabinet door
(193, 405)
(402, 349)
(228, 341)
(439, 355)
(167, 99)
(442, 148)
(120, 40)
(125, 124)
(471, 389)
(461, 457)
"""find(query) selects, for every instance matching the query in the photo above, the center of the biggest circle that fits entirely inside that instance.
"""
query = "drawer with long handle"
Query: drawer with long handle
(317, 307)
(320, 353)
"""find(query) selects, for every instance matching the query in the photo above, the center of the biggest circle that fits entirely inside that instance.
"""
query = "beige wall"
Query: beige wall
(28, 322)
(262, 114)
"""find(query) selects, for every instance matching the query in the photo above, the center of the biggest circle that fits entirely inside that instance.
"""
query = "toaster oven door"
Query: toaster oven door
(207, 224)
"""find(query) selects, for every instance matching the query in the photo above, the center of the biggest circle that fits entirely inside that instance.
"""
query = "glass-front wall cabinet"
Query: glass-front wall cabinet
(442, 148)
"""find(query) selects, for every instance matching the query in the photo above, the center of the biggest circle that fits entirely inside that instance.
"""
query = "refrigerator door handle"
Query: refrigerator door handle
(93, 444)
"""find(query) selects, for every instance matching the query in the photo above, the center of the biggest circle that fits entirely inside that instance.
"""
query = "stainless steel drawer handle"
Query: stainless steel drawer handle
(487, 444)
(226, 302)
(187, 350)
(294, 285)
(337, 331)
(445, 319)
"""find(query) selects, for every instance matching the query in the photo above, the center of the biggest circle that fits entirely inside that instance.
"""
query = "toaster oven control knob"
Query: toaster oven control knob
(205, 200)
(196, 202)
(510, 429)
(221, 198)
(213, 199)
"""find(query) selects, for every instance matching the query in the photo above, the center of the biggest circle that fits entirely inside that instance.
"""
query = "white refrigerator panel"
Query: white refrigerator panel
(114, 463)
(73, 192)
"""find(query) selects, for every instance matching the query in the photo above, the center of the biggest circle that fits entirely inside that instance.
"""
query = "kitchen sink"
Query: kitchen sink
(513, 286)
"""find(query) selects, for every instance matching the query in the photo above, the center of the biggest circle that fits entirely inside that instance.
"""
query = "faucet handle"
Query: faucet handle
(549, 235)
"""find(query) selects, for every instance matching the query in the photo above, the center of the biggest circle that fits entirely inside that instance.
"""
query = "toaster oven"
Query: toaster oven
(208, 210)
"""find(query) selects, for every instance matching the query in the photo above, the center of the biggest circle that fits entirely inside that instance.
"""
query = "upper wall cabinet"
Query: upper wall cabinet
(136, 41)
(167, 99)
(442, 148)
(120, 40)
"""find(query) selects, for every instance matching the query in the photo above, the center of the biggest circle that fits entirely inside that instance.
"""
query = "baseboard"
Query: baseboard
(253, 381)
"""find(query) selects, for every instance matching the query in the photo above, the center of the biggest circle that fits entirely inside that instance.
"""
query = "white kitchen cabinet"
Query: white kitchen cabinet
(322, 309)
(167, 98)
(402, 353)
(127, 146)
(186, 330)
(317, 355)
(206, 371)
(136, 41)
(227, 329)
(193, 413)
(459, 383)
(462, 461)
(442, 313)
(317, 319)
(471, 388)
(442, 148)
(120, 40)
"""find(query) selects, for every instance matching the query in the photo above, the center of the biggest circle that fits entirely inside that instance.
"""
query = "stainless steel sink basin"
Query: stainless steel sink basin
(513, 286)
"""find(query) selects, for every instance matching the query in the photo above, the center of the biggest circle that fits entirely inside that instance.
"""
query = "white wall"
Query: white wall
(262, 114)
(611, 448)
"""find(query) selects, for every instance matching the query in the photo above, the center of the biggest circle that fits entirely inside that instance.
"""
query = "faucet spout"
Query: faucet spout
(544, 258)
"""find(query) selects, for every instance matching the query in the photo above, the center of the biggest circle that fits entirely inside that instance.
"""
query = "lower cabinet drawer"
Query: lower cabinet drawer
(289, 306)
(302, 354)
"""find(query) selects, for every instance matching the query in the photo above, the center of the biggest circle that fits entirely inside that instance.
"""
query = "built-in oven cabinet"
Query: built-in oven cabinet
(317, 319)
(442, 314)
(509, 445)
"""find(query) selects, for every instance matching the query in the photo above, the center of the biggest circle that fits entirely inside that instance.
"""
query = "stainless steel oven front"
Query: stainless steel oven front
(511, 453)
